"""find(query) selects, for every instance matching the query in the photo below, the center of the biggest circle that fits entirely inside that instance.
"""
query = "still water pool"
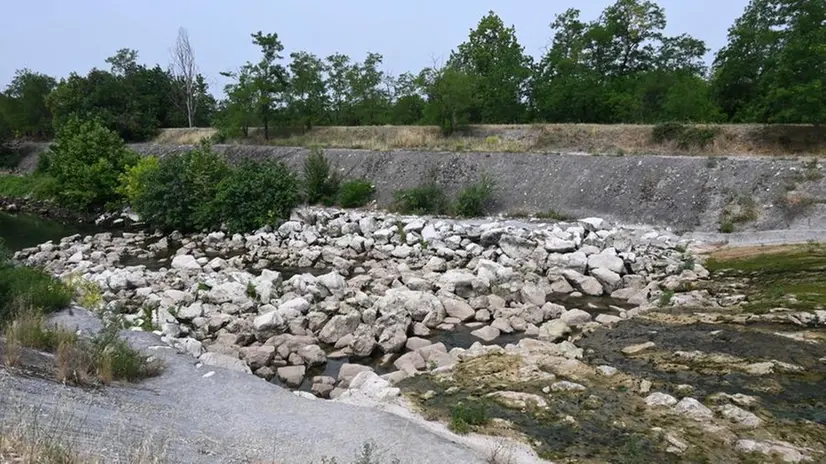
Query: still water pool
(20, 231)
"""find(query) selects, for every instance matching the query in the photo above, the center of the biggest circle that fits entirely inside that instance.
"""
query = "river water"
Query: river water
(20, 231)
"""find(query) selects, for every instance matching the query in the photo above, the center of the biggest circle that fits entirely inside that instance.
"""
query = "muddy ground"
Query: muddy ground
(757, 362)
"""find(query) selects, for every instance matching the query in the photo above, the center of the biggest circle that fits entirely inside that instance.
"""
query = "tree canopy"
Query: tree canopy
(618, 67)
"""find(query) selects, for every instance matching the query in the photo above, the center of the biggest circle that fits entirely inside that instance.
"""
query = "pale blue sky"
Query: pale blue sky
(60, 36)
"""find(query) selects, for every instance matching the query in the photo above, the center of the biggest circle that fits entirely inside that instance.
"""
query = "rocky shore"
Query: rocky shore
(359, 306)
(368, 285)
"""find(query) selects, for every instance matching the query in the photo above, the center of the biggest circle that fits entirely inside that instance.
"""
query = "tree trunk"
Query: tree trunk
(266, 128)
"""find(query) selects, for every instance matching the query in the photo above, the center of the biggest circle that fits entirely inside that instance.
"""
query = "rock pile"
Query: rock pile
(368, 284)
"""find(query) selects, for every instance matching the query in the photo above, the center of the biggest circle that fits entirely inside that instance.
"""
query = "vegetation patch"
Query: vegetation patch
(425, 199)
(790, 276)
(255, 194)
(26, 286)
(355, 193)
(477, 198)
(685, 137)
(29, 186)
(321, 180)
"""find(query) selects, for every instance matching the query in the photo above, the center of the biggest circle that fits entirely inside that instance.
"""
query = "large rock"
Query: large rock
(392, 331)
(692, 408)
(660, 399)
(292, 376)
(558, 245)
(462, 283)
(312, 355)
(494, 273)
(575, 317)
(516, 248)
(740, 416)
(185, 263)
(224, 361)
(554, 331)
(258, 356)
(268, 325)
(586, 284)
(227, 292)
(420, 306)
(348, 372)
(333, 281)
(339, 326)
(610, 280)
(458, 309)
(410, 363)
(532, 294)
(486, 333)
(606, 260)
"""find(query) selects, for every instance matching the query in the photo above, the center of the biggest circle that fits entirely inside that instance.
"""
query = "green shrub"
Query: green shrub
(425, 199)
(321, 183)
(180, 193)
(476, 199)
(256, 194)
(665, 297)
(355, 193)
(464, 415)
(131, 183)
(86, 160)
(113, 354)
(21, 285)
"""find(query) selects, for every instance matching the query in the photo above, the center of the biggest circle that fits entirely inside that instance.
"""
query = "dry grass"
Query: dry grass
(77, 360)
(618, 140)
(27, 441)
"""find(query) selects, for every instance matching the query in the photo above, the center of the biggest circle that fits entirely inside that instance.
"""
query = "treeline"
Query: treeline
(618, 68)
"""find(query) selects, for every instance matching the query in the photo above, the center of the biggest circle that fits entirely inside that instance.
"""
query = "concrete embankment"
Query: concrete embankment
(684, 192)
(687, 193)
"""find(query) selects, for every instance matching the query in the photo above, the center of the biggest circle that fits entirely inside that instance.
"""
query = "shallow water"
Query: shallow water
(20, 231)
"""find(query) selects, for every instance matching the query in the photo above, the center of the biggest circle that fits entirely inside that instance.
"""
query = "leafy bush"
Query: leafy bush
(463, 415)
(131, 183)
(476, 199)
(21, 285)
(86, 160)
(425, 199)
(355, 193)
(179, 194)
(256, 194)
(320, 182)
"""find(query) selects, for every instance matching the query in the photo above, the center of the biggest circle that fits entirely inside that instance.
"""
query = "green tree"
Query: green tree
(619, 68)
(450, 97)
(739, 68)
(86, 160)
(795, 88)
(25, 107)
(367, 101)
(408, 104)
(308, 92)
(267, 78)
(256, 194)
(501, 69)
(180, 192)
(236, 113)
(338, 86)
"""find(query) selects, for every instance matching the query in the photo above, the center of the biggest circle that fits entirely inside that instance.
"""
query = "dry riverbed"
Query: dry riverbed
(583, 341)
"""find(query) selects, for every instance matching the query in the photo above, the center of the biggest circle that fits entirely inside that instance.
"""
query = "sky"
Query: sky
(57, 37)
